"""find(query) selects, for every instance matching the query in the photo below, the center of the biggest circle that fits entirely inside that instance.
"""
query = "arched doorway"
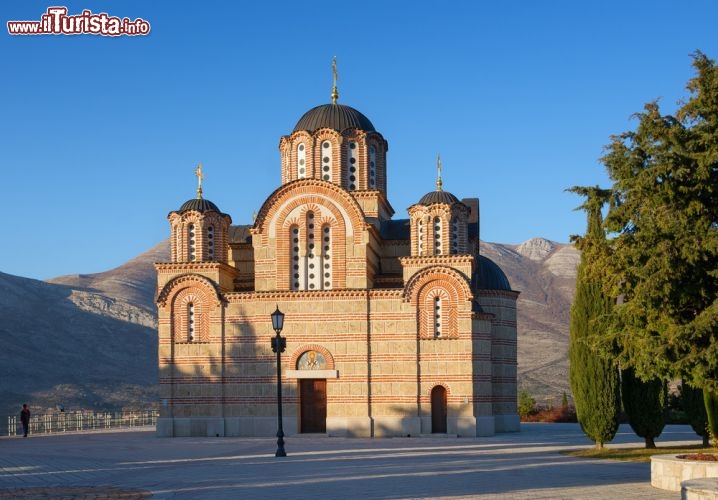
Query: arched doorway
(313, 405)
(438, 410)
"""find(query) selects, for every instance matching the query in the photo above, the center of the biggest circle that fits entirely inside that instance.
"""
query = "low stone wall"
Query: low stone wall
(700, 489)
(668, 471)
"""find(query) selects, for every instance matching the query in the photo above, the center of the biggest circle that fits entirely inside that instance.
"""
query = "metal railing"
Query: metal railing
(54, 423)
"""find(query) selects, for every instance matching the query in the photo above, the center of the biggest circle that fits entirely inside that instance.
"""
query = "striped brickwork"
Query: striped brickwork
(390, 320)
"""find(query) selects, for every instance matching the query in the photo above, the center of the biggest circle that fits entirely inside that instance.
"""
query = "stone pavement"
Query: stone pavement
(137, 464)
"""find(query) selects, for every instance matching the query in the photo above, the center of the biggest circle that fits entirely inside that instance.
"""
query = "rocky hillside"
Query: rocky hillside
(545, 274)
(80, 341)
(89, 341)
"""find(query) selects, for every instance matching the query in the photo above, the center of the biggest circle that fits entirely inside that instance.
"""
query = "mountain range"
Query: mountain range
(90, 341)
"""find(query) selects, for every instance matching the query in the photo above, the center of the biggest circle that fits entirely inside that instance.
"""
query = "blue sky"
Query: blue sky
(99, 136)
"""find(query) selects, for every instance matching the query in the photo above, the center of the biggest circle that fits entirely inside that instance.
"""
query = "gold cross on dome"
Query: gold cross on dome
(438, 172)
(335, 90)
(200, 176)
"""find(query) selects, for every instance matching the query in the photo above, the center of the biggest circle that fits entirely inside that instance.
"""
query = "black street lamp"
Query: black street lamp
(278, 345)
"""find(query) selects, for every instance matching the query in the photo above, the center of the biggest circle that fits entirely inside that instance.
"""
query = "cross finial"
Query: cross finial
(200, 176)
(335, 91)
(438, 172)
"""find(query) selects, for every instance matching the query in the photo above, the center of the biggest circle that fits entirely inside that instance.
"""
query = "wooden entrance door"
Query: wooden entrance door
(438, 410)
(313, 396)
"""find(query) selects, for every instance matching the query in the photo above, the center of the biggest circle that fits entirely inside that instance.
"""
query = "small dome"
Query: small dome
(489, 276)
(438, 197)
(199, 205)
(335, 116)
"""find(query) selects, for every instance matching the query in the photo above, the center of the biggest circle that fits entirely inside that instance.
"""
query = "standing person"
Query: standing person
(25, 418)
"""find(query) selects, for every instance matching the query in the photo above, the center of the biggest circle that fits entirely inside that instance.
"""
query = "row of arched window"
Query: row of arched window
(437, 243)
(327, 165)
(310, 255)
(192, 243)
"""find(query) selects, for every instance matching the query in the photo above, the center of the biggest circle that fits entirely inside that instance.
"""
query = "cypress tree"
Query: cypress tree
(695, 408)
(645, 405)
(710, 399)
(593, 377)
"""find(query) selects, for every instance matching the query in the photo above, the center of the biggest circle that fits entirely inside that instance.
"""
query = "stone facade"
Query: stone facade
(392, 327)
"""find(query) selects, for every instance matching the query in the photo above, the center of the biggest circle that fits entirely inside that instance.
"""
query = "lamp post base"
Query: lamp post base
(280, 445)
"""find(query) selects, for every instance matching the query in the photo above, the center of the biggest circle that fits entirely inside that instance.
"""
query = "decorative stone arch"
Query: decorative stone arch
(353, 134)
(437, 285)
(437, 314)
(312, 347)
(332, 205)
(310, 189)
(293, 216)
(447, 277)
(327, 134)
(296, 137)
(187, 217)
(203, 286)
(431, 385)
(189, 307)
(189, 300)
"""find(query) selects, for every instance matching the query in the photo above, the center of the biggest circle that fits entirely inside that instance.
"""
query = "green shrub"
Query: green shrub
(527, 404)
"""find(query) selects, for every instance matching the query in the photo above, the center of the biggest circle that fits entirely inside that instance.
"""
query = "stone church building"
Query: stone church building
(393, 327)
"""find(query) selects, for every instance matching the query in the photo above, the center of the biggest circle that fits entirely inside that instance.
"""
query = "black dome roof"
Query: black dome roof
(199, 205)
(489, 276)
(438, 197)
(335, 116)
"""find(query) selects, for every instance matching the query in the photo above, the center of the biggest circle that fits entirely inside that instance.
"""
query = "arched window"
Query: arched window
(437, 315)
(314, 259)
(438, 319)
(210, 243)
(437, 236)
(190, 322)
(301, 161)
(297, 267)
(327, 161)
(190, 315)
(372, 167)
(455, 235)
(326, 257)
(420, 237)
(178, 247)
(352, 156)
(191, 243)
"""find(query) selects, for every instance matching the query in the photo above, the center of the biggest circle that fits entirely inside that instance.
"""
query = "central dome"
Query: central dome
(335, 116)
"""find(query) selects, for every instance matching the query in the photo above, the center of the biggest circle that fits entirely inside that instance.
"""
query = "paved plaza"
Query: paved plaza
(136, 464)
